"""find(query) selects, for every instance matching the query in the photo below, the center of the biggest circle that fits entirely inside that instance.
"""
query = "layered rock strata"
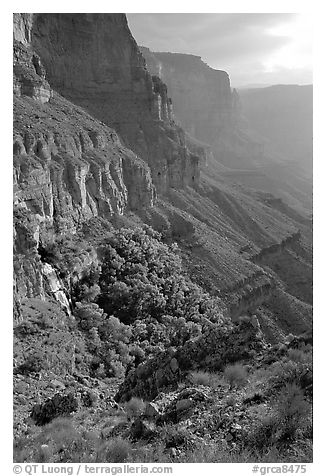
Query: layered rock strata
(93, 60)
(205, 105)
(68, 167)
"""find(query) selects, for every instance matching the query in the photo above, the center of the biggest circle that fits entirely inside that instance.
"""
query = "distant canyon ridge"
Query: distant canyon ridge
(266, 130)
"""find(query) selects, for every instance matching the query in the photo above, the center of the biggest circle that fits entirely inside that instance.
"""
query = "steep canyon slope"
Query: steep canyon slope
(248, 141)
(93, 61)
(138, 262)
(290, 133)
(82, 96)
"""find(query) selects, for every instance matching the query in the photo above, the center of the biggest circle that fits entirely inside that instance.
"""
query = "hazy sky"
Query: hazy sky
(254, 48)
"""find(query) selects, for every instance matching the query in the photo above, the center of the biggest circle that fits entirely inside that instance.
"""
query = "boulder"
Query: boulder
(56, 384)
(184, 404)
(58, 405)
(151, 410)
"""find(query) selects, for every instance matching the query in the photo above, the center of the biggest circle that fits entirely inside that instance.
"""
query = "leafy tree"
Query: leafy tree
(142, 277)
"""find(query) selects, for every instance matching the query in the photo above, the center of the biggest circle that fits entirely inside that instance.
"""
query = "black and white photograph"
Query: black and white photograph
(162, 243)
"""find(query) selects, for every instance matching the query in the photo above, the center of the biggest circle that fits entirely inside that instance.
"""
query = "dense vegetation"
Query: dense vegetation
(133, 302)
(137, 302)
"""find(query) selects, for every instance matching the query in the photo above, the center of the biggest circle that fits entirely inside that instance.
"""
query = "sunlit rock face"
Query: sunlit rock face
(69, 173)
(22, 27)
(201, 96)
(93, 60)
(68, 168)
(205, 105)
(55, 286)
(68, 165)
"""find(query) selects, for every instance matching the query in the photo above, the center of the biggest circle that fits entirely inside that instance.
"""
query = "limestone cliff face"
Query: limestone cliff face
(68, 167)
(204, 104)
(194, 88)
(22, 27)
(93, 60)
(29, 74)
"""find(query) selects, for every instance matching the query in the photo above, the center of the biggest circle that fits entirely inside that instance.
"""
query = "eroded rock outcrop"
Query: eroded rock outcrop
(195, 88)
(93, 60)
(68, 166)
(217, 346)
(205, 105)
(29, 74)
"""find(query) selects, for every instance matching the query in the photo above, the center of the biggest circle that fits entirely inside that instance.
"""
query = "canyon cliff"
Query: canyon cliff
(68, 166)
(140, 268)
(205, 105)
(95, 137)
(93, 61)
(245, 138)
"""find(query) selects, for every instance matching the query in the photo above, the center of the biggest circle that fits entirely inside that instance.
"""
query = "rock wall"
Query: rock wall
(195, 89)
(68, 167)
(29, 74)
(93, 60)
(276, 249)
(22, 27)
(204, 104)
(66, 171)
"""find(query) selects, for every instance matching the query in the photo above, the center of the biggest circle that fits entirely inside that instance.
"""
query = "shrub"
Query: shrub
(290, 414)
(293, 410)
(33, 363)
(142, 277)
(88, 315)
(25, 328)
(134, 407)
(175, 436)
(209, 379)
(87, 293)
(58, 405)
(116, 450)
(286, 372)
(116, 369)
(236, 375)
(89, 398)
(263, 433)
(20, 450)
(298, 355)
(200, 378)
(57, 442)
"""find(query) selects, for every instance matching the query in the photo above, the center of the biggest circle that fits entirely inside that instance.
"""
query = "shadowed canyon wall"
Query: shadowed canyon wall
(93, 60)
(205, 105)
